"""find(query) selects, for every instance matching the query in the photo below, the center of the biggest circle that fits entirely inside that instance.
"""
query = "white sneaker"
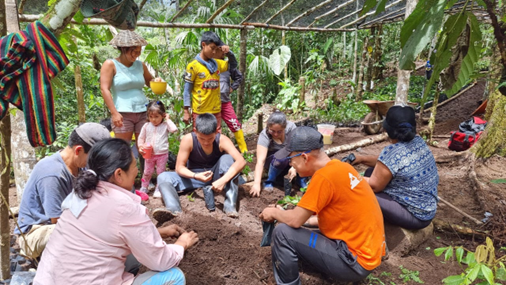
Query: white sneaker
(144, 189)
(157, 194)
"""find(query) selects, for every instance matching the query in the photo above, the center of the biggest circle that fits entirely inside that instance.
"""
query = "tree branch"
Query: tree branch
(499, 33)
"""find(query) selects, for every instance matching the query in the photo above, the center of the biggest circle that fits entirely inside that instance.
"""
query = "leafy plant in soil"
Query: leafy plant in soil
(482, 265)
(409, 275)
(289, 200)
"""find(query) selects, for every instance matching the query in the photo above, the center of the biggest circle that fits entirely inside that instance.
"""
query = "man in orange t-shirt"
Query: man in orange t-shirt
(351, 240)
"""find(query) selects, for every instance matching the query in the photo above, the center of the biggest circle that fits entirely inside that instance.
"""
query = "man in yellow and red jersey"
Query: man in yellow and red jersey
(202, 79)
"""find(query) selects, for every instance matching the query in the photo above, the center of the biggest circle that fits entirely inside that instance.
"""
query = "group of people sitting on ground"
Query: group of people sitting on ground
(79, 216)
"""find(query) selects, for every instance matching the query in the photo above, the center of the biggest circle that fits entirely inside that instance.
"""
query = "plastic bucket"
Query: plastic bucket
(158, 87)
(327, 131)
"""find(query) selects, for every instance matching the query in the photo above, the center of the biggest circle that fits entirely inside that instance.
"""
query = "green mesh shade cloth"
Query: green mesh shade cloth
(121, 14)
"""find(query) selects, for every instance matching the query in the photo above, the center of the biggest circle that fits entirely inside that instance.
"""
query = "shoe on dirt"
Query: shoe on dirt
(161, 215)
(143, 195)
(144, 189)
(157, 194)
(232, 214)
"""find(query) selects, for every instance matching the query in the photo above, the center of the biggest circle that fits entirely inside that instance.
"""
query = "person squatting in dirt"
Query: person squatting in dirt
(51, 180)
(404, 175)
(205, 159)
(154, 143)
(270, 141)
(103, 224)
(202, 79)
(227, 110)
(352, 241)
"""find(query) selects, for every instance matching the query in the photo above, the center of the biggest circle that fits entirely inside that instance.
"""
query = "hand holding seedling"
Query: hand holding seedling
(205, 176)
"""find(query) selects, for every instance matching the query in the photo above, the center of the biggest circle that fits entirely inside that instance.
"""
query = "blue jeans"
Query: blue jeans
(173, 276)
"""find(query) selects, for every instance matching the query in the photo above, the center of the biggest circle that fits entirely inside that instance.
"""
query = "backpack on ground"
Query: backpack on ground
(469, 132)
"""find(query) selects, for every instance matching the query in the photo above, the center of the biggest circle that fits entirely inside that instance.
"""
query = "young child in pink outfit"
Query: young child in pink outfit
(156, 133)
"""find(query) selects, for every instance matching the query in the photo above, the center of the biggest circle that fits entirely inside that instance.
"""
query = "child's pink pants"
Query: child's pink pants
(160, 161)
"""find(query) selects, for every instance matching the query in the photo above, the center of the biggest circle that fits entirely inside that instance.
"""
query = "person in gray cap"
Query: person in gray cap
(350, 242)
(51, 180)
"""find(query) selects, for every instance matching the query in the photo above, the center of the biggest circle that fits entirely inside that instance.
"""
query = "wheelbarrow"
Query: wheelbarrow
(373, 122)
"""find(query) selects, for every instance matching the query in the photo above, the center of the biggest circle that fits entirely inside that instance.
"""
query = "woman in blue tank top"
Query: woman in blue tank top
(121, 83)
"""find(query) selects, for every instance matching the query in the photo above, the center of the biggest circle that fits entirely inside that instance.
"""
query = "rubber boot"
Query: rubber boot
(271, 178)
(172, 204)
(231, 194)
(287, 186)
(209, 197)
(239, 138)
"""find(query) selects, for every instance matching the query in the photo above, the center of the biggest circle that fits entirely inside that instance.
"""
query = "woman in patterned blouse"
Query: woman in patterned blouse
(404, 176)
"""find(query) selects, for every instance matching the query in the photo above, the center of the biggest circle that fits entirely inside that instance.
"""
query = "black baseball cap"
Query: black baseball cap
(399, 116)
(210, 37)
(301, 139)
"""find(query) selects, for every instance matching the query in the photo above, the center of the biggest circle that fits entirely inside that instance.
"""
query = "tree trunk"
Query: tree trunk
(360, 84)
(370, 62)
(80, 94)
(401, 94)
(242, 69)
(377, 68)
(23, 159)
(5, 150)
(432, 120)
(59, 15)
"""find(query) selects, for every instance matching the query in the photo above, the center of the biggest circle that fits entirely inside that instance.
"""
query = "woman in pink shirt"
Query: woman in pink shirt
(103, 222)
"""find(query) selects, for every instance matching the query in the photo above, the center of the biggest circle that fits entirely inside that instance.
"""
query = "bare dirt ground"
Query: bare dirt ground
(229, 253)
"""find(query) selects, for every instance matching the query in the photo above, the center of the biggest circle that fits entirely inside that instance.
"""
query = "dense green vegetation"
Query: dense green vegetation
(325, 60)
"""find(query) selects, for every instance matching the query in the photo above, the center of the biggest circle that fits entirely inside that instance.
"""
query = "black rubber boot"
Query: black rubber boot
(231, 194)
(172, 204)
(209, 197)
(287, 185)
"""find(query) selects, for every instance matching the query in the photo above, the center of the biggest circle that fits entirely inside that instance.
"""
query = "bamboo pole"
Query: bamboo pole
(253, 12)
(243, 70)
(140, 6)
(360, 84)
(354, 79)
(280, 11)
(217, 12)
(364, 16)
(382, 17)
(332, 11)
(308, 12)
(178, 13)
(245, 25)
(302, 84)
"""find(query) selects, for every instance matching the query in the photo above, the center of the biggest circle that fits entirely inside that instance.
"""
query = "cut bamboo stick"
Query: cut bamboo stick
(217, 12)
(280, 11)
(331, 11)
(180, 11)
(308, 12)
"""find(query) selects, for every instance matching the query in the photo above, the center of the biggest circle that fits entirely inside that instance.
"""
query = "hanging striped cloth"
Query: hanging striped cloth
(28, 61)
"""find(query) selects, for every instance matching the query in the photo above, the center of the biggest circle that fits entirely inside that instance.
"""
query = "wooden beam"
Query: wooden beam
(211, 19)
(364, 16)
(339, 7)
(309, 12)
(93, 21)
(253, 12)
(178, 13)
(243, 70)
(280, 11)
(298, 29)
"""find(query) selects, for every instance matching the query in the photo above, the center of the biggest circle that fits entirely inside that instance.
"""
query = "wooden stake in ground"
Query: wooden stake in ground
(242, 69)
(363, 64)
(5, 133)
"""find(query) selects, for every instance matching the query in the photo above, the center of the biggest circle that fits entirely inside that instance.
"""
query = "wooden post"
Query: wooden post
(5, 146)
(363, 64)
(377, 69)
(354, 79)
(260, 123)
(80, 94)
(401, 94)
(242, 69)
(432, 120)
(302, 84)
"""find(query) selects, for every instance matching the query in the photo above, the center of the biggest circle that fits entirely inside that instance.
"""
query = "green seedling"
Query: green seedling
(190, 197)
(409, 275)
(289, 200)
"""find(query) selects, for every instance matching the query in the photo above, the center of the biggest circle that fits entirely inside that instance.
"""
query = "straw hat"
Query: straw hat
(128, 38)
